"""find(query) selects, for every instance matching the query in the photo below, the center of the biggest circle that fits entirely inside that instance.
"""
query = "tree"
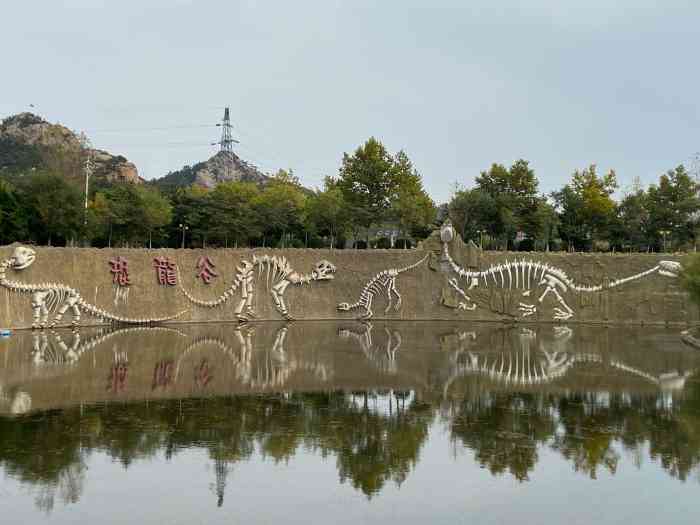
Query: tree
(411, 206)
(155, 210)
(378, 187)
(129, 213)
(514, 194)
(673, 205)
(472, 211)
(57, 207)
(366, 179)
(587, 209)
(327, 211)
(14, 214)
(233, 213)
(633, 217)
(280, 207)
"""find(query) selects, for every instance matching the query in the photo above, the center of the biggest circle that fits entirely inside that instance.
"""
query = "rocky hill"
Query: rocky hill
(222, 167)
(29, 142)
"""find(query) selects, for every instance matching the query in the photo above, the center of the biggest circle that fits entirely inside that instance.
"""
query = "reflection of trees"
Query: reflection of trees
(589, 429)
(44, 451)
(504, 431)
(376, 437)
(49, 450)
(371, 447)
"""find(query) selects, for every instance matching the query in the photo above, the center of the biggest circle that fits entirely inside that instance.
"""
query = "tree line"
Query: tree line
(372, 187)
(504, 209)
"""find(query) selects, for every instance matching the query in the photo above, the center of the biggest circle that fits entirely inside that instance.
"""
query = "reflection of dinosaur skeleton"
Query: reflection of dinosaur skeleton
(49, 297)
(280, 275)
(273, 371)
(384, 361)
(46, 351)
(383, 282)
(542, 366)
(18, 401)
(525, 275)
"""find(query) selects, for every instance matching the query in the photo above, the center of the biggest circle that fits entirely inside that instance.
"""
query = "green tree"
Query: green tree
(155, 210)
(327, 212)
(379, 187)
(472, 211)
(586, 207)
(280, 207)
(633, 217)
(233, 212)
(514, 194)
(57, 207)
(411, 206)
(367, 181)
(673, 205)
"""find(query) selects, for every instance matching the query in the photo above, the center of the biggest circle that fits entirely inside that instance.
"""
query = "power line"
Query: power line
(166, 128)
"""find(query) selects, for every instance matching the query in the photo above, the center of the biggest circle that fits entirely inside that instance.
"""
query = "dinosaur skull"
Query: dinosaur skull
(669, 268)
(323, 271)
(22, 257)
(447, 232)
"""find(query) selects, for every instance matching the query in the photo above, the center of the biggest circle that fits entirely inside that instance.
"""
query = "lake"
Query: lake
(349, 422)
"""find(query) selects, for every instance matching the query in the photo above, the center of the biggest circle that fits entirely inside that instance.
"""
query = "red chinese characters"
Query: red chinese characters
(205, 269)
(166, 271)
(120, 271)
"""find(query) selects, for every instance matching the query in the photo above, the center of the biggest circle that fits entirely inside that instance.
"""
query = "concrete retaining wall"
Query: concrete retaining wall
(425, 292)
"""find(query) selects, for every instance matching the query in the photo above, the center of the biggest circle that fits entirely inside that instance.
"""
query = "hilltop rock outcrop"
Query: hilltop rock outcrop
(29, 142)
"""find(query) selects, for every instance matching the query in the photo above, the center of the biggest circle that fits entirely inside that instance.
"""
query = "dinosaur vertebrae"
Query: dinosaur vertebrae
(383, 282)
(524, 274)
(279, 275)
(50, 297)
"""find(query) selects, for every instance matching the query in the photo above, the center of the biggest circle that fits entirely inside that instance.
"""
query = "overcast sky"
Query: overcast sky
(457, 85)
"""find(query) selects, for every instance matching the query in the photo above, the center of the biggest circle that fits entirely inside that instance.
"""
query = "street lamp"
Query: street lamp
(184, 228)
(665, 233)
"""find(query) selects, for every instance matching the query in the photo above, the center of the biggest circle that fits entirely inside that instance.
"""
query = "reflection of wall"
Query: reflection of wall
(62, 368)
(424, 289)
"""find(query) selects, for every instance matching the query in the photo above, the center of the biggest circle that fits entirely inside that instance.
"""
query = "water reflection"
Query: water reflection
(367, 397)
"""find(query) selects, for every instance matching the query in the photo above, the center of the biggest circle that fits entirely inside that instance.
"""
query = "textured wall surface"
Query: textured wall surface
(425, 291)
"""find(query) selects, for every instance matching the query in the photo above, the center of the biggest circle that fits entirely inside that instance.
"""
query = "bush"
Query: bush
(526, 245)
(383, 243)
(690, 277)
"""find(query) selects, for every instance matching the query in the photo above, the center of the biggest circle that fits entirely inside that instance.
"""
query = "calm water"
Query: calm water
(350, 423)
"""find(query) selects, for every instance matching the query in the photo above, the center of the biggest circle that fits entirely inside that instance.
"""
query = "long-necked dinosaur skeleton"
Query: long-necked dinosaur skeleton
(384, 359)
(382, 283)
(279, 275)
(533, 366)
(527, 275)
(59, 298)
(277, 366)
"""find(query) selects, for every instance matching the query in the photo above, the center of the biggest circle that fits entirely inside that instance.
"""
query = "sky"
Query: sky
(457, 85)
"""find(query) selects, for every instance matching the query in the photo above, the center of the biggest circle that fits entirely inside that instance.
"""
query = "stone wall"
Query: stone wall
(425, 291)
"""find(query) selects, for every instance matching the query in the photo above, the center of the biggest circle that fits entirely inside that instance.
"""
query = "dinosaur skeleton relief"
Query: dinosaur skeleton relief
(383, 282)
(59, 298)
(528, 275)
(279, 276)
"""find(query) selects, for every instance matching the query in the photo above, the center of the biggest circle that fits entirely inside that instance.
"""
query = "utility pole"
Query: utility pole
(87, 172)
(226, 142)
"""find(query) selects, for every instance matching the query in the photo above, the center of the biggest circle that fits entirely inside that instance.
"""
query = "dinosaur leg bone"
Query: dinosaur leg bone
(462, 305)
(392, 288)
(277, 292)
